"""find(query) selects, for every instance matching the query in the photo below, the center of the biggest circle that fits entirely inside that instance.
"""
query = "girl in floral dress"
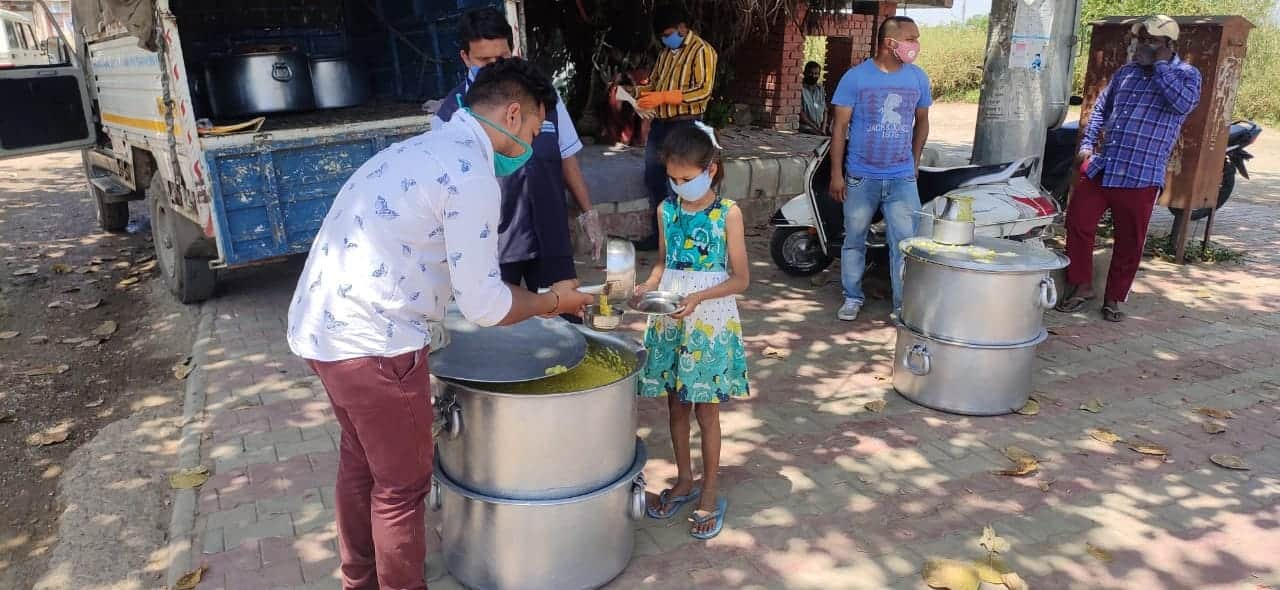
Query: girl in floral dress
(696, 356)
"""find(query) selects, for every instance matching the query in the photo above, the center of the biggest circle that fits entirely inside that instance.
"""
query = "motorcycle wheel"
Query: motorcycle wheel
(796, 251)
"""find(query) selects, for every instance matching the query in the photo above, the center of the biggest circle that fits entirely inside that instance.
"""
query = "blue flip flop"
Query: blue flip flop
(676, 503)
(721, 505)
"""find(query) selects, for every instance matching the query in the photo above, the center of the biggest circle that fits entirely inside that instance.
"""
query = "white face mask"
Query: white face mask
(695, 188)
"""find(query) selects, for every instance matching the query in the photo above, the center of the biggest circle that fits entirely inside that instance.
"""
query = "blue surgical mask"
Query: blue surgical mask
(472, 72)
(673, 41)
(695, 188)
(504, 165)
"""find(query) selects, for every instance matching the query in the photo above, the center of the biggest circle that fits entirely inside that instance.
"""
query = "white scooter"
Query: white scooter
(808, 231)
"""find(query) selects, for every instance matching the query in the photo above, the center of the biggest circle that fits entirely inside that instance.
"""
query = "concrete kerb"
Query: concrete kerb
(183, 518)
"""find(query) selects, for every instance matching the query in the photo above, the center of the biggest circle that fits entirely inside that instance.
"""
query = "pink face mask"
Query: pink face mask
(906, 51)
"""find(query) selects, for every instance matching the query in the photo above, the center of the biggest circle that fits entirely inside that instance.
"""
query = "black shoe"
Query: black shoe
(648, 244)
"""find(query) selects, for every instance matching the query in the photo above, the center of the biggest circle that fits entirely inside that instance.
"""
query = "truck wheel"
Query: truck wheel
(797, 252)
(112, 217)
(189, 278)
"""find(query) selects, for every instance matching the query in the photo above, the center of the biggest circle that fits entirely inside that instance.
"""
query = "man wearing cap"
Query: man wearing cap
(1123, 157)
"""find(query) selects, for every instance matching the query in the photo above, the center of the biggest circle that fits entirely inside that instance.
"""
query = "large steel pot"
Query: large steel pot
(992, 292)
(337, 83)
(963, 378)
(259, 80)
(566, 544)
(534, 447)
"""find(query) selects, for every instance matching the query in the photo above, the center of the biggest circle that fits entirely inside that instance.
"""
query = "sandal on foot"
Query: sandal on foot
(700, 519)
(1073, 303)
(665, 499)
(1113, 314)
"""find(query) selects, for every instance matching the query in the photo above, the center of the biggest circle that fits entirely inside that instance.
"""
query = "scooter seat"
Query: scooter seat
(937, 181)
(1242, 132)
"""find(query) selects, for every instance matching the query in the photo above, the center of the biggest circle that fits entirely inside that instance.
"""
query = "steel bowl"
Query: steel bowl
(600, 322)
(657, 303)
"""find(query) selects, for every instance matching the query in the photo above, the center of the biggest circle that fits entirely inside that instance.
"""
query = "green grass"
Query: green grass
(953, 54)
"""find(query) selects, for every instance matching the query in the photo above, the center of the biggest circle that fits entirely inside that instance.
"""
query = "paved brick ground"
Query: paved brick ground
(825, 494)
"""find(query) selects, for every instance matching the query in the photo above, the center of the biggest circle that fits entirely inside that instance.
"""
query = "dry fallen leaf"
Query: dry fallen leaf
(1024, 463)
(776, 353)
(874, 406)
(1013, 581)
(48, 437)
(89, 306)
(106, 328)
(66, 290)
(1215, 413)
(950, 574)
(60, 268)
(101, 259)
(191, 579)
(1104, 435)
(1092, 406)
(1214, 427)
(1098, 553)
(95, 403)
(186, 479)
(990, 571)
(58, 304)
(90, 343)
(42, 371)
(127, 282)
(184, 368)
(1031, 408)
(992, 542)
(8, 416)
(9, 335)
(73, 340)
(1044, 485)
(1148, 448)
(1230, 462)
(23, 272)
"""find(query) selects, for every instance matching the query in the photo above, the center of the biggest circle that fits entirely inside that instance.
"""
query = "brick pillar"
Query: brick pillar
(769, 75)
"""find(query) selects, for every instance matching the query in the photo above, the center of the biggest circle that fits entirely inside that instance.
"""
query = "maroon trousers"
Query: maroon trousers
(384, 467)
(1130, 213)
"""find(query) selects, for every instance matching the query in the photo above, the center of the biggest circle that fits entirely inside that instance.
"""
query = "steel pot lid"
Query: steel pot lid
(985, 254)
(506, 354)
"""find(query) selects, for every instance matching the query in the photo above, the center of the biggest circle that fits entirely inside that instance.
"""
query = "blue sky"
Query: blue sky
(961, 10)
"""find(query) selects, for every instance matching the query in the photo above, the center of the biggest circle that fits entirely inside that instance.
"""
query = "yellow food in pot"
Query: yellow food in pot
(601, 367)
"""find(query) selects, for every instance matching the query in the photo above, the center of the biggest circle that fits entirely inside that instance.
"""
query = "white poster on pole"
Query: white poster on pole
(1028, 47)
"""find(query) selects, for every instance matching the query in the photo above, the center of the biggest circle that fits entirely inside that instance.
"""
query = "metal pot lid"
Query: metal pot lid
(506, 354)
(985, 254)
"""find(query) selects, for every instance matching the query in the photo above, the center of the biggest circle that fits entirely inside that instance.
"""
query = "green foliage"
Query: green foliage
(953, 54)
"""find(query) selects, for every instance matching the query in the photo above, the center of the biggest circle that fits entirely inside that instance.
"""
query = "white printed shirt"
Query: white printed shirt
(415, 226)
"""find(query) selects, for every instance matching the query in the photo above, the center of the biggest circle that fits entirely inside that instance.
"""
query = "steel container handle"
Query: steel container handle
(433, 496)
(447, 417)
(1048, 293)
(637, 506)
(282, 72)
(455, 422)
(926, 363)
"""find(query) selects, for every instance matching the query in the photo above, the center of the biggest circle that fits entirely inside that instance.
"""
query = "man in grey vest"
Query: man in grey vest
(533, 236)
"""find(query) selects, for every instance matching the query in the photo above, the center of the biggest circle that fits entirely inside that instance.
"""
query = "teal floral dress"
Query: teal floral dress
(700, 358)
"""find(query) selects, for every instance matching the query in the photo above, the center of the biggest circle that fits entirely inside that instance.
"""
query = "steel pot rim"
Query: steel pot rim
(637, 466)
(630, 344)
(1040, 338)
(986, 271)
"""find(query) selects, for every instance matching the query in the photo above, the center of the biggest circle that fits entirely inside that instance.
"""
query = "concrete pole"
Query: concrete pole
(1026, 78)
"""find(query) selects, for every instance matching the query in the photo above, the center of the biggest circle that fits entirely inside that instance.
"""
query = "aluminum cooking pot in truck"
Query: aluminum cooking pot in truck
(208, 113)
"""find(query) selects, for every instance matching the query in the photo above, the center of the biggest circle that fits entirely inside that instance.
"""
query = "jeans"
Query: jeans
(863, 196)
(655, 172)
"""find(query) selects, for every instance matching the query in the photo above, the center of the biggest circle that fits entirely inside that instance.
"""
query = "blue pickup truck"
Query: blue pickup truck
(235, 122)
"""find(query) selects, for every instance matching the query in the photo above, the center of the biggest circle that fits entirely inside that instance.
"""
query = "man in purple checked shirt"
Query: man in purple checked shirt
(1124, 154)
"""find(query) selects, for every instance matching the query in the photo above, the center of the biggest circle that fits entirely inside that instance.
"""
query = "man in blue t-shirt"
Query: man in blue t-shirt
(881, 122)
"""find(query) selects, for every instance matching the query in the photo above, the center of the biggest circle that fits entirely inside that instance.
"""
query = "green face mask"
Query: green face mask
(504, 165)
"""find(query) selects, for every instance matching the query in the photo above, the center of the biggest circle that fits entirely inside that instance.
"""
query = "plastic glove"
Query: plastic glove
(590, 222)
(652, 100)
